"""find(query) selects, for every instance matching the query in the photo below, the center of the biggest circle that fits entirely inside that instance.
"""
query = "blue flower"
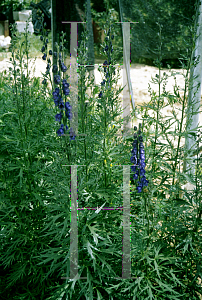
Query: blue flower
(55, 96)
(67, 106)
(58, 117)
(135, 176)
(144, 182)
(103, 82)
(63, 68)
(58, 100)
(43, 49)
(61, 130)
(100, 94)
(66, 91)
(107, 75)
(48, 69)
(50, 52)
(138, 158)
(142, 156)
(134, 150)
(72, 134)
(44, 56)
(44, 81)
(55, 69)
(133, 168)
(41, 38)
(68, 114)
(132, 159)
(142, 164)
(142, 171)
(57, 79)
(61, 105)
(106, 48)
(65, 84)
(56, 93)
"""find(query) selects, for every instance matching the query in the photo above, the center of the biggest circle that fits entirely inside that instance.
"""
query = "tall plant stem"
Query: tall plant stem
(197, 190)
(147, 217)
(83, 113)
(158, 104)
(23, 90)
(105, 123)
(181, 124)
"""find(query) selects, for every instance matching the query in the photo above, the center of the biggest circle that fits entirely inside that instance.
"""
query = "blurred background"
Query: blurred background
(174, 17)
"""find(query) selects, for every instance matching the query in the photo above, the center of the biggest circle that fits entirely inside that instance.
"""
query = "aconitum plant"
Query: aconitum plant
(138, 159)
(61, 90)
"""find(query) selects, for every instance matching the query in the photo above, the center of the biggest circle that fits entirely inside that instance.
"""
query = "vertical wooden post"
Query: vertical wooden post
(74, 225)
(126, 262)
(126, 59)
(91, 55)
(6, 28)
(74, 77)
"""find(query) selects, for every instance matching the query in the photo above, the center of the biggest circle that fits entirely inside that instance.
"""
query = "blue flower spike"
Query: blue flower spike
(138, 159)
(60, 131)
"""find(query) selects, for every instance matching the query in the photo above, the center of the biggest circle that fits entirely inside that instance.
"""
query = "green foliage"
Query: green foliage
(15, 5)
(35, 192)
(175, 17)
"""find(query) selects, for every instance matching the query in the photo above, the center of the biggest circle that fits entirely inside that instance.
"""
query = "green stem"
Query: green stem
(147, 217)
(158, 104)
(181, 124)
(199, 210)
(23, 91)
(83, 115)
(17, 98)
(104, 148)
